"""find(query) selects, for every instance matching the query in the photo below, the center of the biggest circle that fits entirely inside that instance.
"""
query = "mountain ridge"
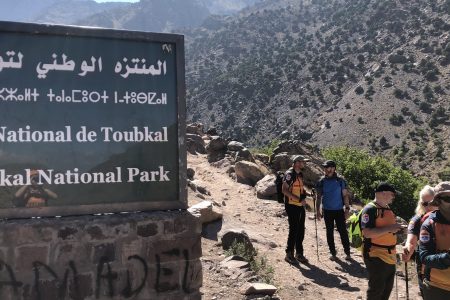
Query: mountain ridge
(362, 73)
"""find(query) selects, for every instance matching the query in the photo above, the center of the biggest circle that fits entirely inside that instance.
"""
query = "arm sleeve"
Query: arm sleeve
(414, 226)
(319, 186)
(427, 248)
(368, 217)
(344, 184)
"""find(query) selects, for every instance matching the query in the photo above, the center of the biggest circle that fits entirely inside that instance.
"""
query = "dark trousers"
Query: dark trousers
(331, 217)
(434, 293)
(296, 219)
(381, 278)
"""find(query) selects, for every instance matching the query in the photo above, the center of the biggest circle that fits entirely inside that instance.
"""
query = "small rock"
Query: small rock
(257, 288)
(273, 245)
(200, 196)
(190, 173)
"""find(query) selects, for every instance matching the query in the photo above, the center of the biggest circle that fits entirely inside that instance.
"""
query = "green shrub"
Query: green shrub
(363, 172)
(268, 150)
(257, 264)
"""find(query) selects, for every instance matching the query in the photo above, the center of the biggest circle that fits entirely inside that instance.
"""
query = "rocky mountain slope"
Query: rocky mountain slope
(370, 74)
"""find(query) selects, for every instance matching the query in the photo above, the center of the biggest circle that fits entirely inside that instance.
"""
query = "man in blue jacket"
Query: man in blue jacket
(333, 195)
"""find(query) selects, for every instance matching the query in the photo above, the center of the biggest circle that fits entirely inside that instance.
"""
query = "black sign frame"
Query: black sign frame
(180, 200)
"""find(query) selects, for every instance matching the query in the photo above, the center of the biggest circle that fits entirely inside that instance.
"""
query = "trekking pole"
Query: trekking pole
(315, 221)
(396, 281)
(406, 278)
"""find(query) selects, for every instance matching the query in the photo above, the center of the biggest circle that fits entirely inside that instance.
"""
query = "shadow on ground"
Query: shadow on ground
(325, 278)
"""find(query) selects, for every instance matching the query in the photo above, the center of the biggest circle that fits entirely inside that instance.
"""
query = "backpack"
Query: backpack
(354, 230)
(279, 184)
(279, 179)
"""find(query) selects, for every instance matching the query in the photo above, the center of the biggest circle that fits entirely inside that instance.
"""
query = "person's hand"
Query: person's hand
(406, 256)
(347, 214)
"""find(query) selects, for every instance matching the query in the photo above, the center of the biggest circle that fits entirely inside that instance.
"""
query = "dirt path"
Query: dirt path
(268, 229)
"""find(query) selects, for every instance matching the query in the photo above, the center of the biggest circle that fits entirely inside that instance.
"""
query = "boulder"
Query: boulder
(205, 211)
(244, 154)
(264, 158)
(195, 128)
(195, 144)
(216, 149)
(311, 173)
(212, 131)
(292, 147)
(223, 163)
(266, 188)
(248, 172)
(281, 162)
(230, 236)
(235, 146)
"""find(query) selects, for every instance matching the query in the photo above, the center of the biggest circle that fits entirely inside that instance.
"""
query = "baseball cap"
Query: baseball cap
(386, 187)
(329, 163)
(300, 158)
(440, 189)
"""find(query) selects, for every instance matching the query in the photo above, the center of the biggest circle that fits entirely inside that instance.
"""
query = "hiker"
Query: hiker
(294, 203)
(379, 228)
(332, 193)
(34, 195)
(434, 249)
(411, 244)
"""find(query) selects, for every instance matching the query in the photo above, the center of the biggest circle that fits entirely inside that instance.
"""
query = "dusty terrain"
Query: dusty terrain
(267, 227)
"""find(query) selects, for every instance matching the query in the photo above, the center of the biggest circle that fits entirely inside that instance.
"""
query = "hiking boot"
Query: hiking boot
(290, 258)
(301, 259)
(333, 257)
(348, 257)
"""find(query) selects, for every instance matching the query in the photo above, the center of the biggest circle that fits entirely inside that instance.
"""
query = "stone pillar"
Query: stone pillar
(148, 255)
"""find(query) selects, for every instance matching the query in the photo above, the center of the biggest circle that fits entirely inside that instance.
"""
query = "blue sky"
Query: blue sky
(116, 0)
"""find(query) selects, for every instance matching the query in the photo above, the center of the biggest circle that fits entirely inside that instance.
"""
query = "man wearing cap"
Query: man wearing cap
(379, 228)
(435, 246)
(333, 195)
(294, 203)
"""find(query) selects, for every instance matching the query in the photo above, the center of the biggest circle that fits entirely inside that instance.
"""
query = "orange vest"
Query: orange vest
(441, 278)
(297, 190)
(384, 218)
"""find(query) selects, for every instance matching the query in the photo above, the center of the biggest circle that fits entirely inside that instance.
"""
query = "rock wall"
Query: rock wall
(154, 255)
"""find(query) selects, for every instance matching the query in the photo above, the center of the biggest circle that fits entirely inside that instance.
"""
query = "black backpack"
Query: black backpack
(279, 184)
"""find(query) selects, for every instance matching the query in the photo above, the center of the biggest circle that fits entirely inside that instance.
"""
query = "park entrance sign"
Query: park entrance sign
(91, 121)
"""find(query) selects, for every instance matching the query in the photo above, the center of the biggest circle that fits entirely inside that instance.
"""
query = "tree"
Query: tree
(363, 172)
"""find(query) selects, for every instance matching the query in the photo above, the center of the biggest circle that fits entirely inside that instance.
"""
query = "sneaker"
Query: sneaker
(333, 257)
(301, 259)
(290, 258)
(348, 257)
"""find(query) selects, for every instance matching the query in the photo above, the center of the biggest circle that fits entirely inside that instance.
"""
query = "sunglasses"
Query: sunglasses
(425, 204)
(444, 199)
